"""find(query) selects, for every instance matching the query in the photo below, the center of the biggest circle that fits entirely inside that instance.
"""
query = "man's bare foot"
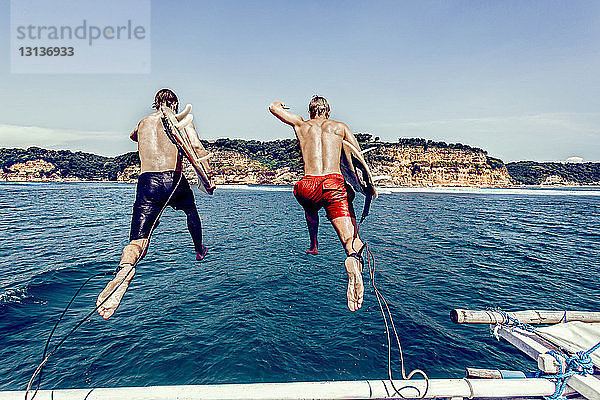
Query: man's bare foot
(201, 254)
(356, 288)
(313, 250)
(119, 285)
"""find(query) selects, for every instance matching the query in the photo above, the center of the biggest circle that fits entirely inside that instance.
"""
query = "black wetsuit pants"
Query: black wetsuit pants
(154, 191)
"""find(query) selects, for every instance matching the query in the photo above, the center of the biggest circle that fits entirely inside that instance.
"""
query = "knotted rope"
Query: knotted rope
(579, 363)
(513, 322)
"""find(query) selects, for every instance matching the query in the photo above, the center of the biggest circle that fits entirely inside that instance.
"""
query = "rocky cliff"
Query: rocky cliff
(37, 164)
(409, 162)
(420, 164)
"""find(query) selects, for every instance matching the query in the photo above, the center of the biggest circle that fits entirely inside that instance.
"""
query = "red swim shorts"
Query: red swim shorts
(328, 191)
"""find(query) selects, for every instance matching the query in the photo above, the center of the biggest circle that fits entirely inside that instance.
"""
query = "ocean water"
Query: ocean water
(258, 309)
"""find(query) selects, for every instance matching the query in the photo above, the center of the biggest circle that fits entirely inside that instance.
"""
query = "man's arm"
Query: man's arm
(350, 138)
(278, 109)
(134, 135)
(194, 140)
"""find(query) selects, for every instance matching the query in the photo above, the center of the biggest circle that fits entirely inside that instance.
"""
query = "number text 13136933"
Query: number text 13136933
(46, 51)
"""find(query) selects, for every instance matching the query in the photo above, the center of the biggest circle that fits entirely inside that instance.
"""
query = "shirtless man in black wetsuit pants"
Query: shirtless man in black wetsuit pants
(161, 183)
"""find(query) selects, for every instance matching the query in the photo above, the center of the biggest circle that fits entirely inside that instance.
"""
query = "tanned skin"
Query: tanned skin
(157, 154)
(320, 141)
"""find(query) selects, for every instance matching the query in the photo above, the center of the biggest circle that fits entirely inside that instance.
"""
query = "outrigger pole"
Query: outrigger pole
(368, 389)
(533, 317)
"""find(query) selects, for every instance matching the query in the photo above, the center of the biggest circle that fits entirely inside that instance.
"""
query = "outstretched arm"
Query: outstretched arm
(279, 110)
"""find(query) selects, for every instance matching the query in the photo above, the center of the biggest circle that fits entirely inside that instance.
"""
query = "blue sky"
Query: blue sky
(516, 78)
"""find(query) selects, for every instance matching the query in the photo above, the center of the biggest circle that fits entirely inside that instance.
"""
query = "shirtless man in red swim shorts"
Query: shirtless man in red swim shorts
(323, 184)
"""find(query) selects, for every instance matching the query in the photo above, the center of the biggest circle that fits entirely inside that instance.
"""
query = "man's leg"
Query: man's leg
(307, 191)
(312, 220)
(346, 230)
(146, 211)
(184, 200)
(195, 228)
(116, 288)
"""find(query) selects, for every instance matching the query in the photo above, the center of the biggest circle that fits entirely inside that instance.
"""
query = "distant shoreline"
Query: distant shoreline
(407, 163)
(381, 189)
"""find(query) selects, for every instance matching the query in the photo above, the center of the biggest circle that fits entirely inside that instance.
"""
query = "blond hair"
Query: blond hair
(318, 106)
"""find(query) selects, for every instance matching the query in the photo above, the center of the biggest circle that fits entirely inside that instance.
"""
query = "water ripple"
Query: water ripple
(258, 309)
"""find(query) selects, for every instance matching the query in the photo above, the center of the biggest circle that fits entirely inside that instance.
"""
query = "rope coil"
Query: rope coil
(388, 314)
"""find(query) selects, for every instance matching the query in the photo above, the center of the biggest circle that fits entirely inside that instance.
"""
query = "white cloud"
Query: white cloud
(26, 136)
(574, 123)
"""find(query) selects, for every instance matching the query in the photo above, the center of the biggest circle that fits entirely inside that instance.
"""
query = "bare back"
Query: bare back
(320, 139)
(157, 152)
(321, 145)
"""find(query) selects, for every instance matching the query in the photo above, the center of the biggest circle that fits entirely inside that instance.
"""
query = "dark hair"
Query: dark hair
(318, 106)
(166, 97)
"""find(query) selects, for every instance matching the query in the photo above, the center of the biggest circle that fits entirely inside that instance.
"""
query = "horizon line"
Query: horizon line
(274, 140)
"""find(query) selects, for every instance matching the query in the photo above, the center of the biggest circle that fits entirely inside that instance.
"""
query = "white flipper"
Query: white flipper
(184, 113)
(185, 122)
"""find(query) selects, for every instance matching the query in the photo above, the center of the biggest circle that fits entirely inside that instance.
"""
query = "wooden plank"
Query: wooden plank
(483, 373)
(548, 364)
(373, 389)
(461, 316)
(532, 345)
(479, 373)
